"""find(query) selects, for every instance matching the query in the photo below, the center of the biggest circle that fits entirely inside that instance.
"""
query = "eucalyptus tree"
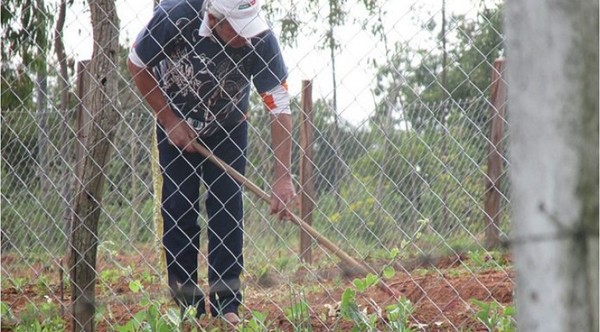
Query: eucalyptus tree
(412, 88)
(25, 26)
(473, 45)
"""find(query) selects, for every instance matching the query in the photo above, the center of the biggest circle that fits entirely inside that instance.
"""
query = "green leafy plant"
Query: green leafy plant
(299, 315)
(19, 284)
(42, 284)
(151, 319)
(6, 315)
(366, 282)
(44, 317)
(485, 260)
(148, 277)
(256, 323)
(494, 316)
(399, 314)
(349, 310)
(110, 276)
(106, 249)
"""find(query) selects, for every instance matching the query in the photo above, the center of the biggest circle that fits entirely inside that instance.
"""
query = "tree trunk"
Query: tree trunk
(337, 159)
(42, 127)
(88, 196)
(65, 128)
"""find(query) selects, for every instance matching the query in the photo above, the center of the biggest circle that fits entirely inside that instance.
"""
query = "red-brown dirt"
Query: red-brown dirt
(440, 291)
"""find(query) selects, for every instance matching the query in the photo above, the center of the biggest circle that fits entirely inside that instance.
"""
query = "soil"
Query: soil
(440, 290)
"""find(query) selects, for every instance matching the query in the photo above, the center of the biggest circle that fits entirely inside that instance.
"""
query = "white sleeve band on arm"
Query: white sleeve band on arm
(277, 99)
(135, 59)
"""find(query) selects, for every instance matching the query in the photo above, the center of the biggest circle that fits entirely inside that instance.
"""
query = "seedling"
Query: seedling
(494, 316)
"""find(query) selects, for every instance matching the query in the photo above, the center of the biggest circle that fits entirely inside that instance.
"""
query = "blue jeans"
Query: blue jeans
(182, 174)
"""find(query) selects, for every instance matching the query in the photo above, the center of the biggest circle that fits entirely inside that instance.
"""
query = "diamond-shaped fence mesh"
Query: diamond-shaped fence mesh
(397, 151)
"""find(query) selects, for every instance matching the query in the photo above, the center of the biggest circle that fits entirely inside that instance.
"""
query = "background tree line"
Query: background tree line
(419, 156)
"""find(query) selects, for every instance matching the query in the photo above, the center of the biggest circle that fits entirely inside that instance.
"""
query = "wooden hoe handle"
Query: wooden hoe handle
(322, 240)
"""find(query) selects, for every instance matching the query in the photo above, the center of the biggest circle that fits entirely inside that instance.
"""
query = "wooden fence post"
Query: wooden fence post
(307, 182)
(493, 194)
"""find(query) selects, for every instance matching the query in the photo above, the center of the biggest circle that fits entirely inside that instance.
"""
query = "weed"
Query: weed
(349, 310)
(19, 284)
(42, 284)
(151, 319)
(6, 315)
(106, 250)
(485, 260)
(299, 315)
(256, 323)
(148, 277)
(398, 315)
(43, 317)
(494, 316)
(366, 282)
(110, 276)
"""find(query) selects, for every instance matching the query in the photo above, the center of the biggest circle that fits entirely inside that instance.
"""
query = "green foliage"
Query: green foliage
(19, 150)
(25, 221)
(398, 315)
(25, 26)
(110, 276)
(121, 214)
(299, 315)
(350, 311)
(6, 315)
(19, 283)
(42, 285)
(429, 177)
(256, 323)
(388, 272)
(136, 286)
(42, 317)
(495, 317)
(152, 320)
(349, 308)
(366, 282)
(485, 260)
(17, 88)
(475, 44)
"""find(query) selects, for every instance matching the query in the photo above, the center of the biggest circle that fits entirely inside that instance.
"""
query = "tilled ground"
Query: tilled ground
(440, 291)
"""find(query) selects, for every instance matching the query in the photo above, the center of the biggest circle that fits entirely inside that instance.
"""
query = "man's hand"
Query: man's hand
(179, 133)
(283, 198)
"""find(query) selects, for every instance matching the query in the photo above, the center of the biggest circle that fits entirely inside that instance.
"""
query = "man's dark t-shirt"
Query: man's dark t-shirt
(206, 82)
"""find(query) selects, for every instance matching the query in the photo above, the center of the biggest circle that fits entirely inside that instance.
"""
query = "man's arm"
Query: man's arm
(178, 131)
(283, 194)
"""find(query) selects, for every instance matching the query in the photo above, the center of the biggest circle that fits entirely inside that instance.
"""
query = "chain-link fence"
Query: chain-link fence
(403, 105)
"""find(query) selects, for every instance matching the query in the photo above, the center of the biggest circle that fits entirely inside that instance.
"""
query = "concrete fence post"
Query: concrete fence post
(552, 53)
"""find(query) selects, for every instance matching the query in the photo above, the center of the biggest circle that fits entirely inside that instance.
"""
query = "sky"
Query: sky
(355, 74)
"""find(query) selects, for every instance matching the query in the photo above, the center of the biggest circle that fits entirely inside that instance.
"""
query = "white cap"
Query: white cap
(244, 16)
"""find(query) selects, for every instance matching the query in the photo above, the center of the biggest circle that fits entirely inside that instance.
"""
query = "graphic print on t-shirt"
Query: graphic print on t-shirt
(207, 83)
